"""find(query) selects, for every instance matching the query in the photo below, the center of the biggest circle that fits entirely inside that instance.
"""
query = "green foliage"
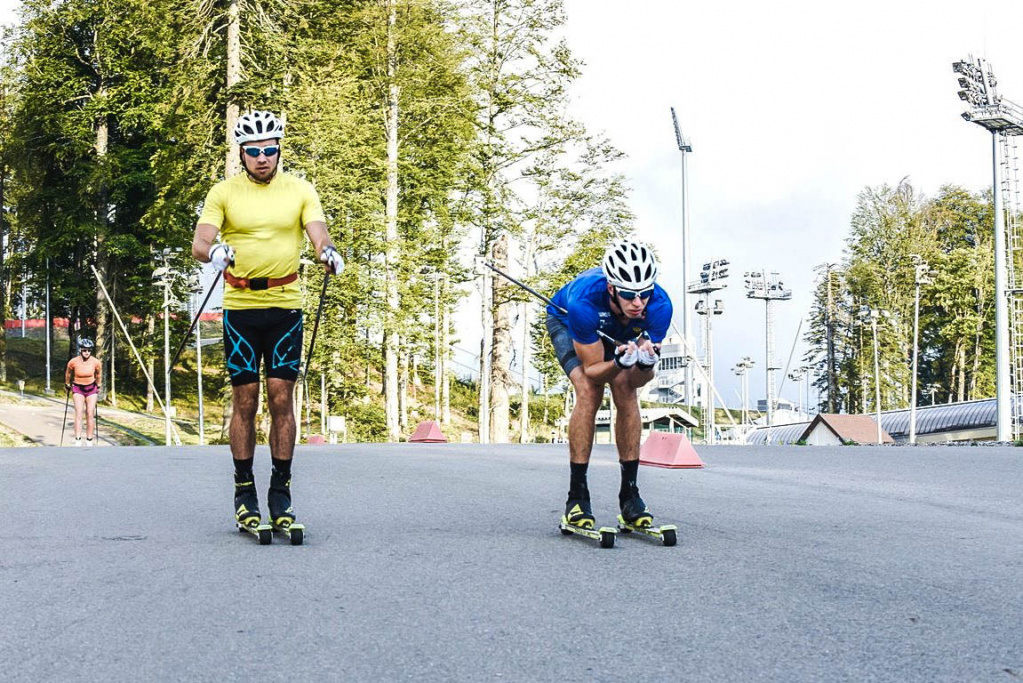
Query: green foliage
(893, 228)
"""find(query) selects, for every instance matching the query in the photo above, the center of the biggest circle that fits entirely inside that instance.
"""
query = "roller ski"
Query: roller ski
(282, 515)
(635, 517)
(247, 516)
(578, 519)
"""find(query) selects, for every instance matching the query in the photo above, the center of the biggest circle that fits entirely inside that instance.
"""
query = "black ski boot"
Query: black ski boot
(278, 499)
(634, 510)
(246, 501)
(578, 511)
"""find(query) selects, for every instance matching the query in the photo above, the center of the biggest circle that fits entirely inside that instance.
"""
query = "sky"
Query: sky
(792, 108)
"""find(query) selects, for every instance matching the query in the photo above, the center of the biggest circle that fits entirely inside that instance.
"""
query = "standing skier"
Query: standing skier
(260, 216)
(622, 301)
(83, 377)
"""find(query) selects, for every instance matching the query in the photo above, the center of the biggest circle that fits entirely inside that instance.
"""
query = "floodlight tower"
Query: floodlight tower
(685, 147)
(1001, 118)
(712, 279)
(763, 285)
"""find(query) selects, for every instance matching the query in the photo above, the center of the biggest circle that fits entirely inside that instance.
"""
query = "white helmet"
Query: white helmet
(630, 265)
(257, 125)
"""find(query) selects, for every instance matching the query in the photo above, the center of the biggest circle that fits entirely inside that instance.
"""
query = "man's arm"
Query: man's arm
(99, 374)
(324, 247)
(594, 366)
(205, 234)
(318, 235)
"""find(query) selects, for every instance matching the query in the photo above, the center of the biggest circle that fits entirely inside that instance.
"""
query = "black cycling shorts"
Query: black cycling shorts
(564, 348)
(269, 335)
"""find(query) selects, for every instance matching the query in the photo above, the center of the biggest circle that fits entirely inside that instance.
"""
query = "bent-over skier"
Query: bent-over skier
(622, 300)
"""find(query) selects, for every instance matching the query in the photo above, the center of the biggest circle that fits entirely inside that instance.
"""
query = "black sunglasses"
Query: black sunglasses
(269, 151)
(629, 295)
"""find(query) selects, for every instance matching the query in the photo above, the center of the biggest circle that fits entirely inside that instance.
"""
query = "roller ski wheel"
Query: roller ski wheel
(605, 535)
(263, 532)
(667, 534)
(287, 526)
(282, 515)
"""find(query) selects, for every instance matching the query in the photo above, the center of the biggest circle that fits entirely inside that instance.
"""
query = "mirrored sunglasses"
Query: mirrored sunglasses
(269, 151)
(629, 295)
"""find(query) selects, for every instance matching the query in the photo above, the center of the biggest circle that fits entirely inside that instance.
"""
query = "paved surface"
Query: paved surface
(42, 422)
(443, 563)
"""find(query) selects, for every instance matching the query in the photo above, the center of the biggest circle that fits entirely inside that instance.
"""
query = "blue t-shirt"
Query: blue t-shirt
(589, 310)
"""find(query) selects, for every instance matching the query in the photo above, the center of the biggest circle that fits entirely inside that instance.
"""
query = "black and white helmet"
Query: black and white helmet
(258, 125)
(85, 343)
(630, 265)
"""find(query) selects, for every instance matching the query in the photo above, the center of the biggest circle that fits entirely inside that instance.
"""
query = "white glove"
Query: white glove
(332, 259)
(221, 256)
(627, 358)
(646, 359)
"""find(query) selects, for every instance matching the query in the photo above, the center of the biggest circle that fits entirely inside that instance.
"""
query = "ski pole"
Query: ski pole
(184, 340)
(547, 301)
(316, 324)
(67, 400)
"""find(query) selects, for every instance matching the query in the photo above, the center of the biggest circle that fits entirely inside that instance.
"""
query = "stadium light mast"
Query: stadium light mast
(760, 286)
(1000, 117)
(685, 147)
(712, 279)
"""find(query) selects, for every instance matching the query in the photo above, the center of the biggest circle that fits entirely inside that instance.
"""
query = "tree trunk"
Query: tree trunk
(403, 383)
(391, 254)
(500, 377)
(526, 344)
(3, 273)
(233, 165)
(444, 359)
(102, 220)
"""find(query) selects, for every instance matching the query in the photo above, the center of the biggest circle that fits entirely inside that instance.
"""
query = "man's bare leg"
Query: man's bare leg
(242, 433)
(282, 448)
(629, 425)
(580, 444)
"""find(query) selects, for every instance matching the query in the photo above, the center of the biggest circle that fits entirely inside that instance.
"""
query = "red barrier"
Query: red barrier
(669, 449)
(428, 431)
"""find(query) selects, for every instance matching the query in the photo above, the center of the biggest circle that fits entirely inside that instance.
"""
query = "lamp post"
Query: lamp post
(760, 286)
(873, 314)
(165, 274)
(797, 377)
(999, 117)
(807, 373)
(195, 301)
(921, 277)
(685, 147)
(712, 279)
(742, 370)
(48, 330)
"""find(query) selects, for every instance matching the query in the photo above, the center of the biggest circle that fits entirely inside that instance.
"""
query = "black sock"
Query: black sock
(630, 471)
(282, 467)
(243, 469)
(577, 484)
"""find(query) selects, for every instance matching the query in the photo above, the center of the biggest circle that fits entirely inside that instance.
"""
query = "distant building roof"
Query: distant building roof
(848, 428)
(965, 420)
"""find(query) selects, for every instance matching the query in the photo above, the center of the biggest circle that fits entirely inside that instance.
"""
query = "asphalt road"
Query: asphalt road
(443, 563)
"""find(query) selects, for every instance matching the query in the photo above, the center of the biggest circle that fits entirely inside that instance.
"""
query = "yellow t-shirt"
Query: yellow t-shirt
(265, 225)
